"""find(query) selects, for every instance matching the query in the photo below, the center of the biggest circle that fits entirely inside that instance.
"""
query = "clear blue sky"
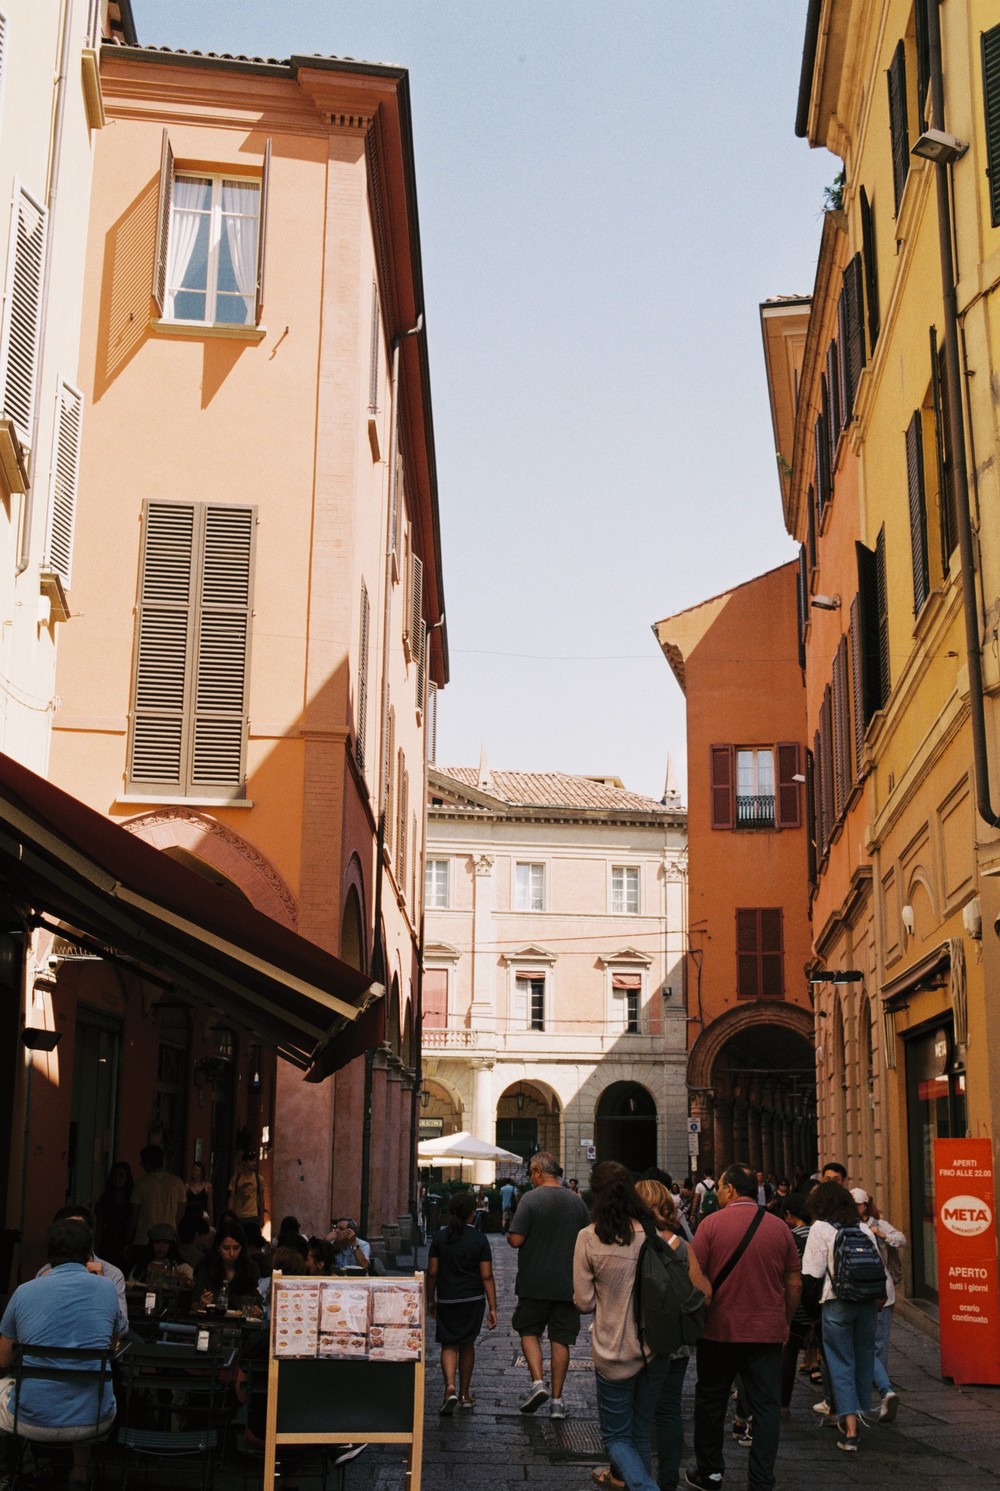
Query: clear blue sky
(606, 195)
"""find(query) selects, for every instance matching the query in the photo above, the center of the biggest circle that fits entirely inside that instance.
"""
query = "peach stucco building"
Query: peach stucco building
(750, 1069)
(256, 609)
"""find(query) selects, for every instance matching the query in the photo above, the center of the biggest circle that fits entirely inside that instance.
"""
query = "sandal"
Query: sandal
(603, 1475)
(816, 1376)
(467, 1403)
(450, 1403)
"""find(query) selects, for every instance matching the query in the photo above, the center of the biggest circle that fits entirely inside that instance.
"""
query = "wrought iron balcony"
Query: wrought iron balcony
(755, 812)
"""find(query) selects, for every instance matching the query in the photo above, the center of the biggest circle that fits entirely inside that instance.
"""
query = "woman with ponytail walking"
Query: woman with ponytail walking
(460, 1286)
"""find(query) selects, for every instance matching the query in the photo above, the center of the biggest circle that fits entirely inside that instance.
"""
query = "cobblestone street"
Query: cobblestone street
(944, 1437)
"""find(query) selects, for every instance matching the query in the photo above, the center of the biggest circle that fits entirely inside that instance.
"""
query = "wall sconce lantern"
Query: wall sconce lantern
(425, 1097)
(519, 1099)
(225, 1043)
(37, 1039)
(255, 1083)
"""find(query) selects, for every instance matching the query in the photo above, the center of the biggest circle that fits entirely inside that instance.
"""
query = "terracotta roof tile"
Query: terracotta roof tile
(556, 789)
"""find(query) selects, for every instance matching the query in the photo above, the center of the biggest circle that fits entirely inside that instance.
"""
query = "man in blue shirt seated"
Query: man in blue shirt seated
(67, 1307)
(75, 1212)
(349, 1250)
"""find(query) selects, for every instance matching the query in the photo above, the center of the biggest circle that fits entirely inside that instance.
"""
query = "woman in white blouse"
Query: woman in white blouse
(886, 1236)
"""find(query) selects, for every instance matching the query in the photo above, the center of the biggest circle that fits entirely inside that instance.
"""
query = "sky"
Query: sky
(606, 195)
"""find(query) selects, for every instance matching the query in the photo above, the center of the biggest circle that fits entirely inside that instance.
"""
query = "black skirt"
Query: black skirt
(459, 1323)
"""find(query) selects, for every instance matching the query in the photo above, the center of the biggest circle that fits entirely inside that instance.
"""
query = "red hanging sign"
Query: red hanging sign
(965, 1229)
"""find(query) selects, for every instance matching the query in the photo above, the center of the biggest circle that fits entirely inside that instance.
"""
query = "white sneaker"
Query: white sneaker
(538, 1395)
(557, 1409)
(889, 1408)
(822, 1407)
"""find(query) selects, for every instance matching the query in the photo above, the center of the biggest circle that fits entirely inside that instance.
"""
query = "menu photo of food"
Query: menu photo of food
(296, 1318)
(349, 1320)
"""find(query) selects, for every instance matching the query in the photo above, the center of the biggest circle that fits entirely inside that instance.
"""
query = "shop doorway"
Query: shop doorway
(93, 1127)
(935, 1109)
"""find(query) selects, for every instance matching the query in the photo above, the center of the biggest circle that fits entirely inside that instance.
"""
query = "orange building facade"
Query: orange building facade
(751, 1076)
(256, 635)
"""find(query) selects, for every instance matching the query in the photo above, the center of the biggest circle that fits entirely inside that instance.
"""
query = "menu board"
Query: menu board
(378, 1320)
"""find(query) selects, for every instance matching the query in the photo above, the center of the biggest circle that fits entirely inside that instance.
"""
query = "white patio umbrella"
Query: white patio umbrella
(462, 1146)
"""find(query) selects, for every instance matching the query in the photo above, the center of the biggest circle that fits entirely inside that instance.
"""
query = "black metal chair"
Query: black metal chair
(85, 1369)
(175, 1399)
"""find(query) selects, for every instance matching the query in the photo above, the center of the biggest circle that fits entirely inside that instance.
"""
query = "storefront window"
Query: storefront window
(936, 1109)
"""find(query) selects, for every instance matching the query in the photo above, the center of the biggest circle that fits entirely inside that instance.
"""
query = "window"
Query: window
(918, 510)
(402, 819)
(851, 335)
(373, 384)
(192, 650)
(871, 267)
(759, 954)
(626, 995)
(363, 645)
(873, 616)
(435, 998)
(529, 888)
(625, 889)
(991, 109)
(898, 123)
(65, 479)
(529, 1001)
(754, 788)
(22, 319)
(209, 266)
(745, 792)
(436, 885)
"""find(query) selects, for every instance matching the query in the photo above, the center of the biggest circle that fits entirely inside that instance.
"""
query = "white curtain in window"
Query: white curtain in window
(241, 235)
(188, 196)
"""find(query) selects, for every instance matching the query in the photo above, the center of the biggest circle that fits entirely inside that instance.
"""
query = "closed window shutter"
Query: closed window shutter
(163, 207)
(65, 481)
(421, 666)
(747, 955)
(811, 855)
(389, 765)
(898, 125)
(192, 649)
(802, 602)
(223, 648)
(402, 809)
(991, 110)
(361, 739)
(416, 607)
(918, 510)
(522, 996)
(842, 776)
(826, 789)
(822, 448)
(854, 297)
(373, 354)
(857, 710)
(265, 178)
(431, 722)
(723, 786)
(759, 954)
(946, 492)
(22, 322)
(882, 594)
(811, 532)
(923, 59)
(788, 801)
(869, 613)
(817, 791)
(396, 514)
(833, 393)
(871, 268)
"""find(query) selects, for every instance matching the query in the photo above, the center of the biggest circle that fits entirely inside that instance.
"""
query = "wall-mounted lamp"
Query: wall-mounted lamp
(425, 1097)
(825, 602)
(909, 920)
(940, 147)
(519, 1100)
(255, 1069)
(37, 1039)
(668, 992)
(840, 976)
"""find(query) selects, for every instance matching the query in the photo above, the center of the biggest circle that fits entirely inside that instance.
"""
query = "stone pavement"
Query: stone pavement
(944, 1437)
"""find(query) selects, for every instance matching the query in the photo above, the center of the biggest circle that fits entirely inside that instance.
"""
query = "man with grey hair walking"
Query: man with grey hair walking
(544, 1231)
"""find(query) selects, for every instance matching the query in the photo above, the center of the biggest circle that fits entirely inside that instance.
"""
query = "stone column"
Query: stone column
(404, 1180)
(722, 1147)
(484, 957)
(740, 1148)
(703, 1107)
(754, 1136)
(393, 1120)
(484, 1116)
(376, 1165)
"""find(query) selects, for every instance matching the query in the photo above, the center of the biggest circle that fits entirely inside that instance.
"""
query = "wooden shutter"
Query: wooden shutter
(898, 126)
(868, 614)
(826, 788)
(373, 353)
(922, 40)
(747, 954)
(882, 593)
(841, 726)
(857, 702)
(223, 649)
(192, 649)
(822, 448)
(947, 517)
(415, 608)
(843, 369)
(421, 666)
(431, 721)
(812, 859)
(759, 953)
(918, 510)
(265, 178)
(723, 786)
(854, 296)
(871, 268)
(22, 320)
(802, 602)
(811, 529)
(402, 811)
(65, 481)
(991, 111)
(788, 804)
(361, 737)
(833, 396)
(163, 206)
(434, 1001)
(389, 766)
(396, 489)
(772, 972)
(163, 630)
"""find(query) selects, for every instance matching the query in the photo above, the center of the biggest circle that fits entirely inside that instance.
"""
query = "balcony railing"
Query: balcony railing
(435, 1039)
(755, 812)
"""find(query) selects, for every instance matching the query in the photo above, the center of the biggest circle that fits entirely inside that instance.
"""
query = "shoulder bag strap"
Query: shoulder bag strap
(738, 1251)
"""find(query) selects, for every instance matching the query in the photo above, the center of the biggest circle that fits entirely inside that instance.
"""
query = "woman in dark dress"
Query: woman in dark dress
(227, 1262)
(459, 1287)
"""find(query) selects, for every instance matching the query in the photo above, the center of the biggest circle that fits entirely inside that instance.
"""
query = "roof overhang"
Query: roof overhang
(73, 871)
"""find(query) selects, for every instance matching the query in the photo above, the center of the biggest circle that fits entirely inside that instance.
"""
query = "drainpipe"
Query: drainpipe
(956, 435)
(59, 118)
(378, 968)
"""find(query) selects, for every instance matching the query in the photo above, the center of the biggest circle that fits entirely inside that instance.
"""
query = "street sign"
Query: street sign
(692, 1143)
(591, 1151)
(586, 1143)
(694, 1125)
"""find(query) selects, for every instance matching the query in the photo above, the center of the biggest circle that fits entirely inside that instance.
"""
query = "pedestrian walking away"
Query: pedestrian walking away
(889, 1240)
(750, 1258)
(544, 1232)
(460, 1287)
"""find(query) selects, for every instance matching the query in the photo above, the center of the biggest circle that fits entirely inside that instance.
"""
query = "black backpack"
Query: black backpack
(858, 1271)
(669, 1309)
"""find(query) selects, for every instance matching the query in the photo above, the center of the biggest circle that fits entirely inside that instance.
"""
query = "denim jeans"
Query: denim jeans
(849, 1349)
(625, 1412)
(883, 1325)
(759, 1365)
(668, 1425)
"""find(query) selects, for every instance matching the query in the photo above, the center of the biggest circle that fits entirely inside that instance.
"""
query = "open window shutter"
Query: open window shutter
(826, 792)
(401, 812)
(223, 649)
(802, 602)
(396, 513)
(65, 480)
(723, 769)
(991, 110)
(946, 511)
(855, 328)
(421, 666)
(857, 711)
(833, 394)
(389, 767)
(265, 175)
(918, 510)
(817, 797)
(22, 322)
(811, 855)
(747, 954)
(922, 40)
(163, 223)
(882, 594)
(843, 369)
(522, 995)
(163, 628)
(811, 529)
(431, 721)
(871, 267)
(416, 609)
(868, 613)
(898, 124)
(361, 737)
(788, 800)
(373, 354)
(772, 975)
(843, 775)
(822, 448)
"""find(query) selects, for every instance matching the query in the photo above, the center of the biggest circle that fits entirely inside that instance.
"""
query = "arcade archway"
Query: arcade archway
(625, 1126)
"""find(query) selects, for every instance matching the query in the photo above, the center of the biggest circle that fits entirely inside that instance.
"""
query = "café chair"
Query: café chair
(88, 1369)
(175, 1401)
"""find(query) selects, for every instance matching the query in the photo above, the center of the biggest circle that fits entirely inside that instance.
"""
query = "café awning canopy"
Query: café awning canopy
(71, 870)
(463, 1146)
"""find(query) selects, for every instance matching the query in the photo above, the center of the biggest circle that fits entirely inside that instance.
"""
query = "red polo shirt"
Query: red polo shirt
(750, 1306)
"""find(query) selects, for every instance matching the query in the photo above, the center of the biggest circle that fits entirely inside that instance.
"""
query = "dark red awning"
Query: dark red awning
(69, 867)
